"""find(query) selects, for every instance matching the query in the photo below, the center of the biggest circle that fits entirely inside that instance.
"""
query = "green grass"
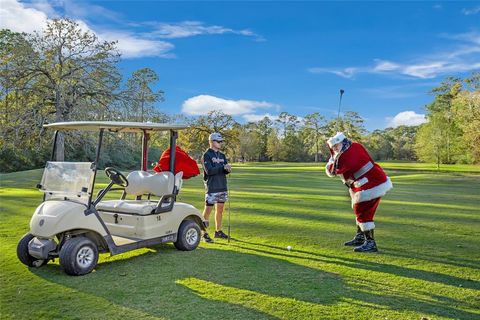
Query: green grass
(428, 266)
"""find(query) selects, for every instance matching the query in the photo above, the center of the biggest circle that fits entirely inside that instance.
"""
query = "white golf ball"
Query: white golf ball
(289, 248)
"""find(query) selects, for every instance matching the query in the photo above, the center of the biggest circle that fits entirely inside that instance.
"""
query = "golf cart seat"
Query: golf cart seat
(163, 184)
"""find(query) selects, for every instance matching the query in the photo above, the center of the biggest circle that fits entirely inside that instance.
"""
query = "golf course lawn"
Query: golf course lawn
(428, 234)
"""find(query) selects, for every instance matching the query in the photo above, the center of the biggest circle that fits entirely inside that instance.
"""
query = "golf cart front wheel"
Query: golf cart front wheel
(188, 236)
(23, 254)
(78, 256)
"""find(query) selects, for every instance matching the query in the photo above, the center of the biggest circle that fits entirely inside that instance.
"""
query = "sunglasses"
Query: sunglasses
(218, 141)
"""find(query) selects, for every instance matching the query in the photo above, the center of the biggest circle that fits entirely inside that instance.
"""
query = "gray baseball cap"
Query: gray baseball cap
(215, 137)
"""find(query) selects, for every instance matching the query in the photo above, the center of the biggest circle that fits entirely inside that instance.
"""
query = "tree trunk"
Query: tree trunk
(438, 158)
(6, 97)
(60, 151)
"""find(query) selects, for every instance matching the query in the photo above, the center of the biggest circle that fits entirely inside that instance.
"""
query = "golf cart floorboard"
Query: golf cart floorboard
(120, 241)
(132, 244)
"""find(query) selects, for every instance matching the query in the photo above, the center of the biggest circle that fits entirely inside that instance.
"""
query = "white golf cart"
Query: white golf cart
(74, 225)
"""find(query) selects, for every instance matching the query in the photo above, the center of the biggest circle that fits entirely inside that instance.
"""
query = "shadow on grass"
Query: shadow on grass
(165, 282)
(308, 214)
(393, 301)
(219, 283)
(454, 261)
(374, 266)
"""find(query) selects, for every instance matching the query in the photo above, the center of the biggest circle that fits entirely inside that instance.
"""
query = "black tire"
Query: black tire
(78, 256)
(188, 236)
(24, 256)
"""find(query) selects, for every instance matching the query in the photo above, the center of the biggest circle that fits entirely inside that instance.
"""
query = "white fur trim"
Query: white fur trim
(327, 171)
(339, 137)
(366, 226)
(370, 194)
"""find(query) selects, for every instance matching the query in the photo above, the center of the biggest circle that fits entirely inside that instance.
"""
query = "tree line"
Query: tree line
(65, 73)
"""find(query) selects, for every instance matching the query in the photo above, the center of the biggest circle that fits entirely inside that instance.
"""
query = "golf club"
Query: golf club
(228, 195)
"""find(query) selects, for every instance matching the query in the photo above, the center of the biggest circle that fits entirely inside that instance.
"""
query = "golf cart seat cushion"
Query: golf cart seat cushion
(158, 184)
(140, 207)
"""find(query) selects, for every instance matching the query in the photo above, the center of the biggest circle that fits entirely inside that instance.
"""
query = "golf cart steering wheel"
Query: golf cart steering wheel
(116, 176)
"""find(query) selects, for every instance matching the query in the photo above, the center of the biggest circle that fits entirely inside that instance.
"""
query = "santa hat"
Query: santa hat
(339, 137)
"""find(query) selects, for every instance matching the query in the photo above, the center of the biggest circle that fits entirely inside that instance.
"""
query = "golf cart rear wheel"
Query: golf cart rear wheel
(78, 256)
(188, 236)
(24, 256)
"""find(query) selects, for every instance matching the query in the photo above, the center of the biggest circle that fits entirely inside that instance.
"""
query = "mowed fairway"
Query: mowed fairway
(428, 233)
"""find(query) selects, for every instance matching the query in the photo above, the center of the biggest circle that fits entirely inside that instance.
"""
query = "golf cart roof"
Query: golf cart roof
(115, 126)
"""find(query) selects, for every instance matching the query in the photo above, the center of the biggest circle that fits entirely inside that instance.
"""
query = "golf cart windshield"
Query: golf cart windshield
(70, 180)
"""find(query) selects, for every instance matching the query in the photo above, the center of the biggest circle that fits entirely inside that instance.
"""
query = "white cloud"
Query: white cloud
(84, 11)
(383, 66)
(132, 46)
(193, 28)
(17, 17)
(344, 73)
(32, 19)
(258, 117)
(465, 37)
(434, 69)
(423, 70)
(406, 118)
(411, 89)
(23, 17)
(202, 104)
(462, 57)
(471, 11)
(470, 44)
(44, 6)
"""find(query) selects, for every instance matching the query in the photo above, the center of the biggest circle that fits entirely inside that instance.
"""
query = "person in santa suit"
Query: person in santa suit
(367, 183)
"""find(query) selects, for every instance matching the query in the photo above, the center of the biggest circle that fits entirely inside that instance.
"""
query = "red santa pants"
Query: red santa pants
(365, 211)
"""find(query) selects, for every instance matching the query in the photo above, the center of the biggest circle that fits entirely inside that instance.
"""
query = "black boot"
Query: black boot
(369, 245)
(358, 240)
(206, 238)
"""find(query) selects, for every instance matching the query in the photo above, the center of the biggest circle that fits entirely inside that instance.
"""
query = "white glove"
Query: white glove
(329, 166)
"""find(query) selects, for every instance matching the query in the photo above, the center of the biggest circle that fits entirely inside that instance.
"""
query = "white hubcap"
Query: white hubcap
(85, 257)
(191, 236)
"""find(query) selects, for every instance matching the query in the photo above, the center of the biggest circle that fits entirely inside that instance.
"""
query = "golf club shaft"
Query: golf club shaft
(228, 195)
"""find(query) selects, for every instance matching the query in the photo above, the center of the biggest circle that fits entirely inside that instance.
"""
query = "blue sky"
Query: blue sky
(255, 58)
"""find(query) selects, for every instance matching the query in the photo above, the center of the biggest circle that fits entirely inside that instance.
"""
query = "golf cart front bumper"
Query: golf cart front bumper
(40, 248)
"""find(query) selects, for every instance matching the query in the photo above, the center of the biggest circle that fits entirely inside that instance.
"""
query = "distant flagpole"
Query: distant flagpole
(339, 107)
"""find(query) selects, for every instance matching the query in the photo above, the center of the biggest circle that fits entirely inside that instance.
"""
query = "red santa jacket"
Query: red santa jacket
(357, 169)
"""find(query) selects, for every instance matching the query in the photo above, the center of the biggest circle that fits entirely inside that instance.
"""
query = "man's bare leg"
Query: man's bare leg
(219, 216)
(206, 215)
(207, 211)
